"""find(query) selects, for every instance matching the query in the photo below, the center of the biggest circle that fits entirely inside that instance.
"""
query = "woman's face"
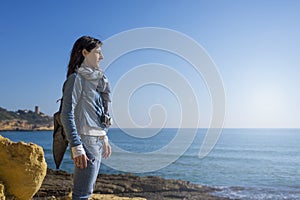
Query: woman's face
(93, 57)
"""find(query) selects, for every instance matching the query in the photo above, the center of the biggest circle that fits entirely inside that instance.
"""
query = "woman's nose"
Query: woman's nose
(101, 56)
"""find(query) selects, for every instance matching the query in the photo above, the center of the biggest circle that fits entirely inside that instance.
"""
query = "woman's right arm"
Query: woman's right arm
(71, 93)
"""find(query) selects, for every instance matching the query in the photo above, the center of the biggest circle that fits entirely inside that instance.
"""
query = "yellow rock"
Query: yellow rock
(23, 168)
(107, 197)
(2, 196)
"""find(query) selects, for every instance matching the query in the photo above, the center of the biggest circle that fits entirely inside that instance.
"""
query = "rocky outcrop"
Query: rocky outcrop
(23, 125)
(57, 185)
(23, 168)
(112, 197)
(24, 120)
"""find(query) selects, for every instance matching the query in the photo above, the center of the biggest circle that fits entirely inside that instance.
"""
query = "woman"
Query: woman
(84, 113)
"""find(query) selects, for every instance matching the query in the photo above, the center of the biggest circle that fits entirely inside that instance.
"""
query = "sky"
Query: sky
(254, 44)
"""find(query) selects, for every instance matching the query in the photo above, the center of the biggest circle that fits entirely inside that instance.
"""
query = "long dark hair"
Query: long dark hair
(76, 58)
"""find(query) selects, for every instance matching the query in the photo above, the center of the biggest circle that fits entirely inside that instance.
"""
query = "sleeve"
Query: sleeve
(71, 92)
(105, 92)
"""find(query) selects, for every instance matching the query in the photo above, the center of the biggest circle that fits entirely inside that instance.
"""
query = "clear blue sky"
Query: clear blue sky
(255, 45)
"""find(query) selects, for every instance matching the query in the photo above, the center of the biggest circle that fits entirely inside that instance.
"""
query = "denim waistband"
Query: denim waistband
(94, 136)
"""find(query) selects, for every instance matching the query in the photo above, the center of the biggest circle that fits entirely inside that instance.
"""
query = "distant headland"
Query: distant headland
(25, 120)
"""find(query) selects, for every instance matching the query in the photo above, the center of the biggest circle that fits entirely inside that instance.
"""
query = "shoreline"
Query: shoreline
(57, 185)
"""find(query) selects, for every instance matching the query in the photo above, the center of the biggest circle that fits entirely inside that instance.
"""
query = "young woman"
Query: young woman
(84, 114)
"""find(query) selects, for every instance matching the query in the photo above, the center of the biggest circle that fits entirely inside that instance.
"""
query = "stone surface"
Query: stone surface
(58, 184)
(23, 168)
(2, 195)
(112, 197)
(106, 197)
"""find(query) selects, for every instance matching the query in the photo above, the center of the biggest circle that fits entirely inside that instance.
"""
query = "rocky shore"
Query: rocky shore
(29, 178)
(57, 185)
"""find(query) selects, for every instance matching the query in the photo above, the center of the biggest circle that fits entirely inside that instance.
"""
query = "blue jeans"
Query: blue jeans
(84, 179)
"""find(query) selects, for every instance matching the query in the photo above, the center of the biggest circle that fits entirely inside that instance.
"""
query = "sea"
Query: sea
(243, 164)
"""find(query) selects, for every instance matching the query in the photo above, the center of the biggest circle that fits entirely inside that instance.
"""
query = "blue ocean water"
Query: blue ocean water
(244, 164)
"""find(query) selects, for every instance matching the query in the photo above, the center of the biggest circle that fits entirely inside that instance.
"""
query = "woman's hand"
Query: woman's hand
(106, 150)
(81, 161)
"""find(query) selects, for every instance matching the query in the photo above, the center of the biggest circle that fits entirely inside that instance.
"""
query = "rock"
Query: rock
(123, 186)
(106, 197)
(56, 183)
(2, 196)
(112, 197)
(23, 168)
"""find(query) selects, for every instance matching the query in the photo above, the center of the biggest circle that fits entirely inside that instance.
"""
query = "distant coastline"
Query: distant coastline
(25, 120)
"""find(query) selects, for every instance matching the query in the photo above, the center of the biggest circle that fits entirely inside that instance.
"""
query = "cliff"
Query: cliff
(22, 120)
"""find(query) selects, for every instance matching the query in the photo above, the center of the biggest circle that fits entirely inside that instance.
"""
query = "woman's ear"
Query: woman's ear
(85, 52)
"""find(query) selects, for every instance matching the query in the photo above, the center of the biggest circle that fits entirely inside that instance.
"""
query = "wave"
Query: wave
(255, 193)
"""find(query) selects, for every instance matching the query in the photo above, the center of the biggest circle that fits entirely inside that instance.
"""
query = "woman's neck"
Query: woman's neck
(87, 65)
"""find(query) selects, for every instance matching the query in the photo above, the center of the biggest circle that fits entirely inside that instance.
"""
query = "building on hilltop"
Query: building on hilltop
(37, 110)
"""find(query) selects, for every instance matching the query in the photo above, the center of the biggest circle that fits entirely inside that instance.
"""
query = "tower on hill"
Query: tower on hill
(37, 110)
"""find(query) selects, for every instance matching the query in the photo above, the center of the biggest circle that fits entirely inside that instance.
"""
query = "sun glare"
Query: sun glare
(267, 105)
